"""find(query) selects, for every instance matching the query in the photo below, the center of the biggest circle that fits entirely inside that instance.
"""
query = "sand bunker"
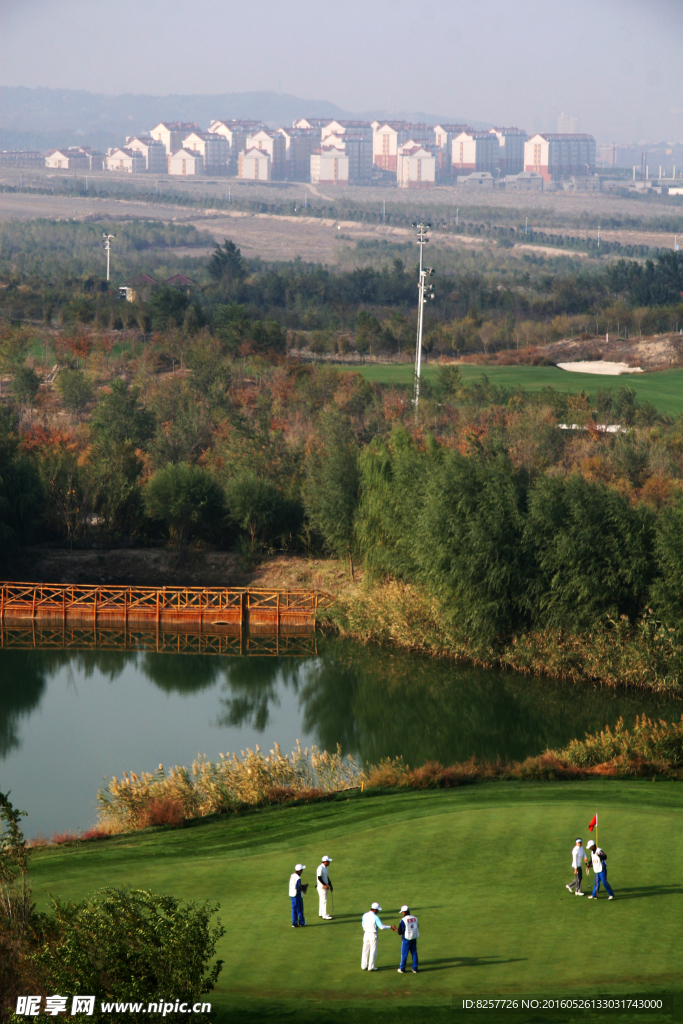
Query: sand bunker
(599, 366)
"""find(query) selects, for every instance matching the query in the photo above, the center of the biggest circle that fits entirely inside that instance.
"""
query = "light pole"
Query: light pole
(423, 289)
(107, 247)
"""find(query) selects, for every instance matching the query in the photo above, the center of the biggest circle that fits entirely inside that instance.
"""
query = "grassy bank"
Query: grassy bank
(484, 868)
(663, 389)
(645, 655)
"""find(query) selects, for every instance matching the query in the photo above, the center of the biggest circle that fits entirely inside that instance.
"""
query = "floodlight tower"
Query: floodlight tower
(423, 291)
(107, 247)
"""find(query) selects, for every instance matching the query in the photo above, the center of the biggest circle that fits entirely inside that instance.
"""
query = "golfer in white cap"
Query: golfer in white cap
(296, 891)
(578, 856)
(409, 933)
(371, 924)
(324, 886)
(599, 859)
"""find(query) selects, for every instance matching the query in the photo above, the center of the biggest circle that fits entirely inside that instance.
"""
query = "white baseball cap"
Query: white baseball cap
(375, 906)
(579, 840)
(590, 843)
(328, 859)
(300, 867)
(404, 907)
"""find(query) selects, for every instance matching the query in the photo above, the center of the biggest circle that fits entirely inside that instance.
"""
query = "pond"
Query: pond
(71, 717)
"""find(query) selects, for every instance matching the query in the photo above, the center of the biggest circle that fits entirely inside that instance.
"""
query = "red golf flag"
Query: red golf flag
(593, 823)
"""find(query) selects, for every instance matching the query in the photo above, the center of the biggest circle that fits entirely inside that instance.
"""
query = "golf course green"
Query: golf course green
(484, 868)
(664, 389)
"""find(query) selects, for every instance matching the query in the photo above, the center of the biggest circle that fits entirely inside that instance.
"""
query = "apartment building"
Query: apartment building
(125, 160)
(525, 181)
(153, 151)
(389, 136)
(215, 150)
(254, 165)
(71, 159)
(556, 156)
(273, 143)
(360, 129)
(299, 144)
(474, 151)
(186, 162)
(415, 166)
(443, 141)
(22, 158)
(236, 132)
(510, 149)
(172, 133)
(330, 166)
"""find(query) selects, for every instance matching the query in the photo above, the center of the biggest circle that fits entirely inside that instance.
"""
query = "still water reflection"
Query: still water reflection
(68, 718)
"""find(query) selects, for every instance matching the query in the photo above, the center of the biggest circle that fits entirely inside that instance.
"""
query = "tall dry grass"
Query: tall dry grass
(210, 787)
(169, 798)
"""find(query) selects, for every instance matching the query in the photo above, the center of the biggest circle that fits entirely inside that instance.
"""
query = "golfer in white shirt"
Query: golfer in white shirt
(371, 924)
(324, 886)
(578, 859)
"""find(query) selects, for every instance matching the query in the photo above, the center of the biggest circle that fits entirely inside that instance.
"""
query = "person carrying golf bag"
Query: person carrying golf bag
(599, 859)
(410, 933)
(296, 897)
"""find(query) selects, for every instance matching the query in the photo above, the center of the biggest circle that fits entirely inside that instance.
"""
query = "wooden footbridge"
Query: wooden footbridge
(242, 609)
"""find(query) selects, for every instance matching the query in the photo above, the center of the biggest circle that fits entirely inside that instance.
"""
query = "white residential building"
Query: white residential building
(254, 165)
(330, 166)
(237, 133)
(525, 181)
(415, 166)
(273, 143)
(557, 156)
(299, 144)
(70, 159)
(388, 136)
(172, 133)
(214, 148)
(186, 162)
(153, 151)
(474, 151)
(476, 179)
(360, 129)
(443, 140)
(125, 160)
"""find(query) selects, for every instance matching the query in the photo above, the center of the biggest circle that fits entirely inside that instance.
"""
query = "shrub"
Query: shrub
(131, 945)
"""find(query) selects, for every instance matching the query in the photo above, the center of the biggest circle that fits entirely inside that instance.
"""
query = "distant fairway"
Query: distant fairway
(664, 390)
(483, 866)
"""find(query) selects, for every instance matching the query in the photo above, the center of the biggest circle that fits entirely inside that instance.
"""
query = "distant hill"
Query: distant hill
(44, 118)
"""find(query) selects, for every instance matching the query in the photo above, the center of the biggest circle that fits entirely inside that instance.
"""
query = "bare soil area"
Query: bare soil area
(660, 352)
(161, 567)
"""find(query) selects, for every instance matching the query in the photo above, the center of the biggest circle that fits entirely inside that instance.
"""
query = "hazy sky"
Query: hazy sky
(614, 64)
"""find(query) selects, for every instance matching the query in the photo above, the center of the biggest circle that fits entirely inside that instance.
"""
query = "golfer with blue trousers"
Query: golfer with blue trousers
(296, 891)
(410, 933)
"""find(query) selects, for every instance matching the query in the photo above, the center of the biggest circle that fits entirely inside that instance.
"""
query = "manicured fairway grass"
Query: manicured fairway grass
(664, 390)
(483, 866)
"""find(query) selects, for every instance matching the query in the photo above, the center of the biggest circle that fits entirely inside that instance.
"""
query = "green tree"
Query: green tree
(25, 385)
(22, 495)
(226, 264)
(120, 417)
(76, 390)
(588, 552)
(183, 427)
(131, 945)
(168, 307)
(667, 587)
(332, 483)
(254, 505)
(187, 500)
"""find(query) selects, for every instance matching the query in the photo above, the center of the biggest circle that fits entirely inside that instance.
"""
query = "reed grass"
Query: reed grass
(212, 787)
(651, 749)
(645, 654)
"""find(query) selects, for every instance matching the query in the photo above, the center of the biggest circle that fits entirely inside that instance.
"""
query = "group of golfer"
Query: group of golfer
(407, 928)
(599, 863)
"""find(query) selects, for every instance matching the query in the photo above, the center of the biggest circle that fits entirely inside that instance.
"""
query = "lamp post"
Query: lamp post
(107, 248)
(423, 289)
